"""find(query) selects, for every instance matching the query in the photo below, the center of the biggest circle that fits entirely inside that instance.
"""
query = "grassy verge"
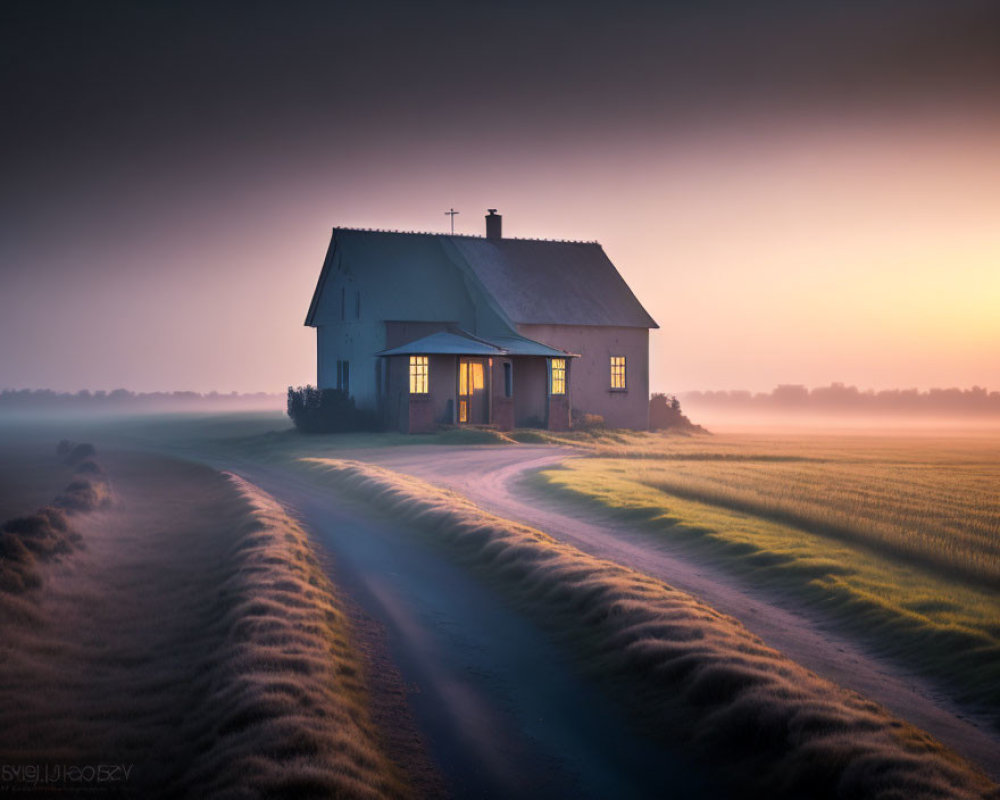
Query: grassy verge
(698, 677)
(27, 542)
(195, 640)
(946, 628)
(289, 705)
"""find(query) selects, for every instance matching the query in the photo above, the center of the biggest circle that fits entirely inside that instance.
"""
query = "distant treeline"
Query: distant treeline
(838, 398)
(123, 399)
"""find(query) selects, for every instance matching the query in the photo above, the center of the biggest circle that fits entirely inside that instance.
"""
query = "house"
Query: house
(430, 328)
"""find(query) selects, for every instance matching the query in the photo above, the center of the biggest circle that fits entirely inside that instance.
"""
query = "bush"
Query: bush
(665, 413)
(327, 411)
(585, 421)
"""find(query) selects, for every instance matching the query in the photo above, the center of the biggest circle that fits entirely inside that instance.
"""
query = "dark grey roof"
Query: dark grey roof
(526, 281)
(553, 283)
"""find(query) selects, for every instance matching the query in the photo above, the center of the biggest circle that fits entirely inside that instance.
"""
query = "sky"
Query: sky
(798, 192)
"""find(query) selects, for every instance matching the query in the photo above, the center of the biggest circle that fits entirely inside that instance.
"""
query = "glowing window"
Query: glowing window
(618, 372)
(418, 375)
(558, 376)
(471, 377)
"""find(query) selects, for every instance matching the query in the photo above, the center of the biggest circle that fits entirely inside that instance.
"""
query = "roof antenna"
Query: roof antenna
(451, 213)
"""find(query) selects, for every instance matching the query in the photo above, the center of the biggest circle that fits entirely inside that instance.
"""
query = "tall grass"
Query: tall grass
(289, 707)
(696, 676)
(28, 541)
(198, 638)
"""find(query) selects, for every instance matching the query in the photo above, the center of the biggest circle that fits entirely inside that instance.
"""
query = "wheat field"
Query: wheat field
(895, 537)
(942, 513)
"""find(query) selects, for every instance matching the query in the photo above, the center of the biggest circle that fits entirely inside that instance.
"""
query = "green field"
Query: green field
(897, 538)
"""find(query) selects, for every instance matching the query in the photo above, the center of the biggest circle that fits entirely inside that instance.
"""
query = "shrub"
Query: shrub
(316, 410)
(585, 421)
(665, 413)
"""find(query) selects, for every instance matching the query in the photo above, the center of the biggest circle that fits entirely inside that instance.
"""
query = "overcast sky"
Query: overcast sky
(798, 192)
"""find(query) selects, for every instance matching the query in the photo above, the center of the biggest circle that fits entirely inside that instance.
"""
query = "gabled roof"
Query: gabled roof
(525, 281)
(537, 282)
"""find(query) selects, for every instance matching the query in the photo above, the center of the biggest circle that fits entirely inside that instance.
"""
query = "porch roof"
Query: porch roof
(521, 346)
(444, 343)
(460, 343)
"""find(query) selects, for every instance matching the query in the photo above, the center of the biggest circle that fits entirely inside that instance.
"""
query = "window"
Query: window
(508, 379)
(418, 375)
(618, 373)
(344, 376)
(558, 376)
(471, 377)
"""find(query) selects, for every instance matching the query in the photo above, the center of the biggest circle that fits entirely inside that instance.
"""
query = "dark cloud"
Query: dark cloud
(96, 77)
(104, 99)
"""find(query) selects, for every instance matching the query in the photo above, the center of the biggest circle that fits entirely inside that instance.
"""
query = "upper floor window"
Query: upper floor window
(618, 373)
(558, 380)
(419, 371)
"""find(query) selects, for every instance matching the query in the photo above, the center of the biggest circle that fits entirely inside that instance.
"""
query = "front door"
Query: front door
(473, 397)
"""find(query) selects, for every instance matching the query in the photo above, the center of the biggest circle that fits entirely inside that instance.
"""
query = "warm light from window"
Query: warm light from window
(558, 376)
(418, 375)
(617, 372)
(471, 377)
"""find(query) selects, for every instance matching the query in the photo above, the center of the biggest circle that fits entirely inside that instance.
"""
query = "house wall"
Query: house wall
(354, 341)
(559, 412)
(403, 332)
(590, 374)
(443, 382)
(396, 393)
(502, 407)
(434, 408)
(531, 378)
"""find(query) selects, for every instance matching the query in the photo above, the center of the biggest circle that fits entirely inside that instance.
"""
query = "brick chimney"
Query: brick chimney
(493, 220)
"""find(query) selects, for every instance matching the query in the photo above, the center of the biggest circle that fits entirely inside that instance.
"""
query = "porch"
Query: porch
(458, 379)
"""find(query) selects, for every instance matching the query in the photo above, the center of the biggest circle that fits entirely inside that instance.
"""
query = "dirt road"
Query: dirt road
(489, 476)
(501, 710)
